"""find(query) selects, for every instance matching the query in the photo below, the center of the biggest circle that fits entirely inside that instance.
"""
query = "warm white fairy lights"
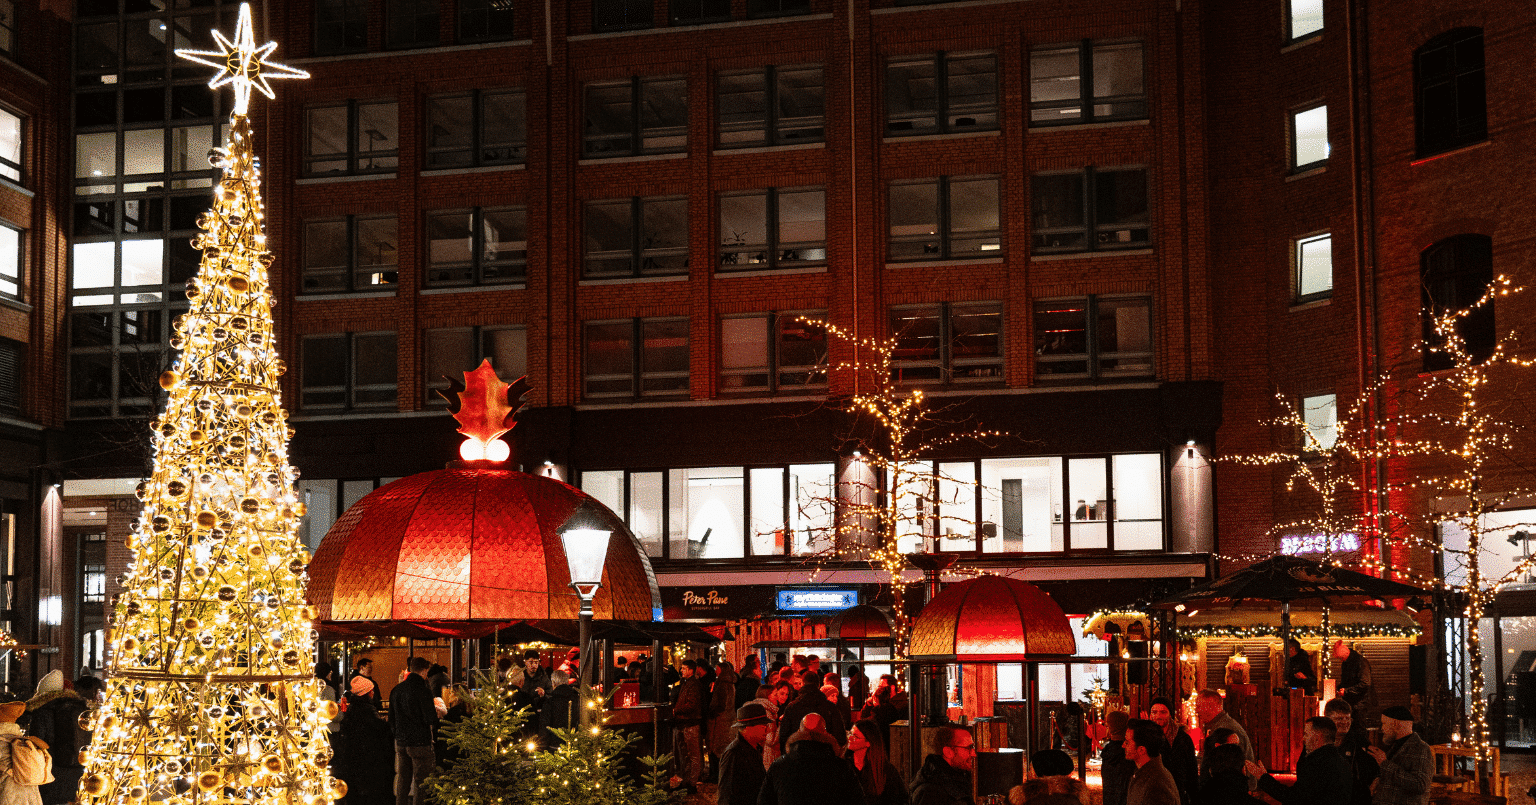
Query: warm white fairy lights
(210, 688)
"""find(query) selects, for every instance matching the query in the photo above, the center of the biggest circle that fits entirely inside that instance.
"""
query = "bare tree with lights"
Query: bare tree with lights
(210, 689)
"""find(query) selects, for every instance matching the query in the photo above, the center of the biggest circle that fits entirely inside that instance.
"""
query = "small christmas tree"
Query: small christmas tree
(493, 766)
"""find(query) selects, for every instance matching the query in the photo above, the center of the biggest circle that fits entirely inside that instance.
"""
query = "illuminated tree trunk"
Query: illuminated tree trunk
(210, 689)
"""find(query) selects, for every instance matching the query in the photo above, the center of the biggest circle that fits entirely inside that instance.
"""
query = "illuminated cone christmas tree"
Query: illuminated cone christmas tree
(210, 693)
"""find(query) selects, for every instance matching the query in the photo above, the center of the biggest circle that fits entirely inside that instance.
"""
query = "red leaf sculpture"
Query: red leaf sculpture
(487, 405)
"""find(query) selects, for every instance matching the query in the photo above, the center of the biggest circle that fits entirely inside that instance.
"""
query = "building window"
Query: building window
(723, 512)
(410, 23)
(93, 584)
(1087, 82)
(12, 359)
(1312, 276)
(482, 246)
(341, 26)
(10, 146)
(1309, 138)
(636, 358)
(355, 253)
(485, 20)
(622, 15)
(11, 257)
(1450, 96)
(948, 218)
(1090, 210)
(950, 342)
(1456, 274)
(455, 350)
(777, 8)
(343, 371)
(693, 12)
(636, 237)
(942, 93)
(1093, 338)
(773, 352)
(484, 127)
(115, 361)
(7, 26)
(771, 106)
(774, 228)
(354, 137)
(1051, 504)
(1303, 18)
(1319, 422)
(636, 116)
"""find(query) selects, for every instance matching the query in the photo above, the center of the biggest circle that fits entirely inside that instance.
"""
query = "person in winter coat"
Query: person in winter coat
(945, 778)
(1298, 668)
(741, 763)
(810, 700)
(561, 708)
(687, 714)
(872, 765)
(775, 699)
(366, 755)
(458, 710)
(1224, 782)
(55, 720)
(1352, 741)
(1178, 748)
(1053, 783)
(858, 688)
(747, 681)
(1323, 776)
(809, 772)
(1152, 784)
(722, 710)
(1115, 768)
(12, 792)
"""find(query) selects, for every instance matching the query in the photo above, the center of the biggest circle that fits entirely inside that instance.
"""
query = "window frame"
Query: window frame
(430, 385)
(119, 403)
(17, 167)
(13, 357)
(1094, 354)
(8, 28)
(1293, 140)
(945, 234)
(353, 266)
(942, 113)
(93, 572)
(1306, 444)
(638, 373)
(773, 368)
(1291, 37)
(347, 26)
(464, 10)
(1092, 230)
(352, 156)
(1466, 281)
(637, 248)
(477, 134)
(637, 129)
(1298, 270)
(775, 250)
(1086, 100)
(645, 14)
(675, 19)
(947, 362)
(1469, 129)
(16, 272)
(772, 136)
(351, 387)
(756, 8)
(477, 264)
(395, 13)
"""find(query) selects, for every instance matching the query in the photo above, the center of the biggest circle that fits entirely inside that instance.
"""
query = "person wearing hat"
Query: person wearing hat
(741, 764)
(55, 719)
(365, 753)
(12, 792)
(1406, 765)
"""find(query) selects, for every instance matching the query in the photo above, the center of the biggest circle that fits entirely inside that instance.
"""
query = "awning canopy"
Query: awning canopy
(1250, 622)
(991, 619)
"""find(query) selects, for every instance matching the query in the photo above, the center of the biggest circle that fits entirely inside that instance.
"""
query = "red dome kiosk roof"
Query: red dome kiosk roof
(991, 619)
(472, 544)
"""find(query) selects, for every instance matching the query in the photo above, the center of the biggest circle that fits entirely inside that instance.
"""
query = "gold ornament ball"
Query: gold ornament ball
(169, 379)
(338, 788)
(226, 593)
(330, 710)
(93, 784)
(272, 763)
(210, 780)
(207, 519)
(138, 793)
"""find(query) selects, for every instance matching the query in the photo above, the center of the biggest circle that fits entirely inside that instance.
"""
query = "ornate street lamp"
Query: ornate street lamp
(585, 551)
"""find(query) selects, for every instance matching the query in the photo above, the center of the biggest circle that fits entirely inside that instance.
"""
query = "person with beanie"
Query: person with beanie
(55, 719)
(12, 792)
(1407, 765)
(366, 749)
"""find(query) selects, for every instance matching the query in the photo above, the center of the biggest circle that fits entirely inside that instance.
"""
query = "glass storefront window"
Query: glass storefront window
(645, 509)
(957, 505)
(1138, 509)
(1021, 508)
(1090, 503)
(766, 525)
(812, 509)
(713, 507)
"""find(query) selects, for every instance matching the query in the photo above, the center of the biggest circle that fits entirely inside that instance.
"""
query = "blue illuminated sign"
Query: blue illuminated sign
(816, 599)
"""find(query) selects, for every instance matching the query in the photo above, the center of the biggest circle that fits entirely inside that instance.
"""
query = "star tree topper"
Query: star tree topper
(242, 63)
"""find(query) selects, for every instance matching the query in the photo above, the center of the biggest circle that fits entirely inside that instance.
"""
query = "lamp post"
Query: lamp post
(585, 551)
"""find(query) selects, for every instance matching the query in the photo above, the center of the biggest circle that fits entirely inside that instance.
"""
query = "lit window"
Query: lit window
(1313, 279)
(10, 141)
(771, 106)
(455, 350)
(1320, 422)
(93, 584)
(1309, 138)
(356, 253)
(772, 352)
(1304, 18)
(636, 358)
(952, 342)
(775, 228)
(636, 116)
(482, 246)
(1450, 92)
(1086, 82)
(636, 237)
(941, 93)
(11, 256)
(482, 128)
(1095, 209)
(344, 371)
(948, 218)
(351, 138)
(1093, 338)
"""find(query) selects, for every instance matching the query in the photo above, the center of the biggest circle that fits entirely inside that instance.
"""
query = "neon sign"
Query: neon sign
(816, 600)
(1319, 543)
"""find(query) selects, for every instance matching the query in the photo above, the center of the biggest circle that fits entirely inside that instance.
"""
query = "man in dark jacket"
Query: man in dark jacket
(412, 719)
(1117, 769)
(1356, 685)
(687, 713)
(1322, 773)
(1352, 742)
(741, 764)
(560, 709)
(1406, 767)
(945, 778)
(535, 678)
(810, 772)
(811, 700)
